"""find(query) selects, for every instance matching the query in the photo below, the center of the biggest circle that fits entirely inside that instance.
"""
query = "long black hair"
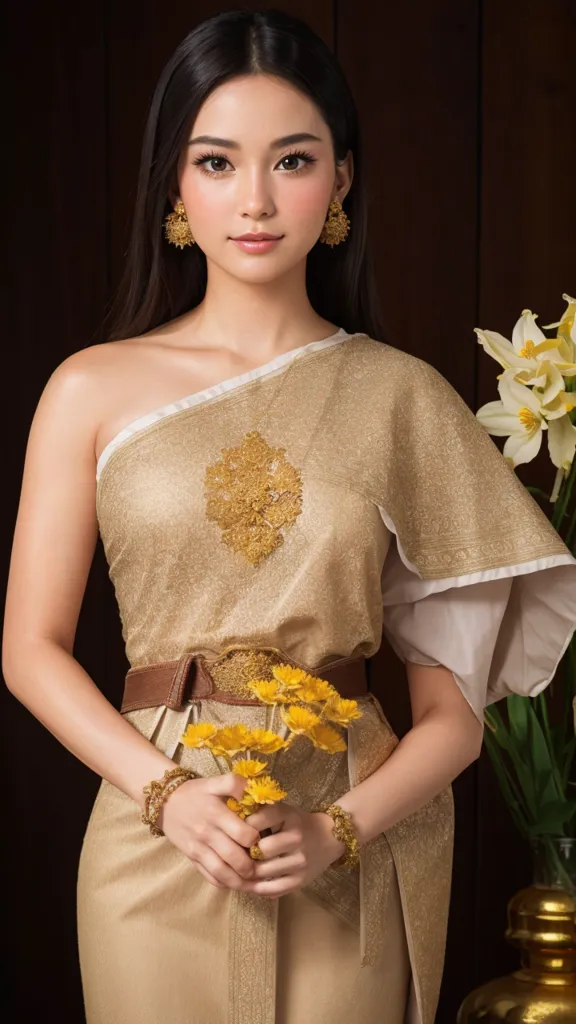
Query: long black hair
(160, 281)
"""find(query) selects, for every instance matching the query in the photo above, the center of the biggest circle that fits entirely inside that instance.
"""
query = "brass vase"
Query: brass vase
(542, 923)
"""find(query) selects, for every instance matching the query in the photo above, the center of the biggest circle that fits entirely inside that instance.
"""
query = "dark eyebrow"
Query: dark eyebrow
(286, 140)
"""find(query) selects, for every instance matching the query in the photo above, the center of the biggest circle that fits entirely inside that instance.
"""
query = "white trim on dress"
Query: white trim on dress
(273, 366)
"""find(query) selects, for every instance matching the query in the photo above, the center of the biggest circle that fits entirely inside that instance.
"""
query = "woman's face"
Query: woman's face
(250, 181)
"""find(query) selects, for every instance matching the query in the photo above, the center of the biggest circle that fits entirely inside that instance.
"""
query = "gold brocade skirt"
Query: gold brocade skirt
(158, 943)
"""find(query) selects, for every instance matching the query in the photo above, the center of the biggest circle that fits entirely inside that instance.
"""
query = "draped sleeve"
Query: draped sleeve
(476, 578)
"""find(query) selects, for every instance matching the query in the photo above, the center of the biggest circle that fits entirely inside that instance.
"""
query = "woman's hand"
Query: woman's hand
(303, 848)
(197, 821)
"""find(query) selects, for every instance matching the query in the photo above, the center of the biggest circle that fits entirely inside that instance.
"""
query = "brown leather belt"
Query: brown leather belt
(193, 677)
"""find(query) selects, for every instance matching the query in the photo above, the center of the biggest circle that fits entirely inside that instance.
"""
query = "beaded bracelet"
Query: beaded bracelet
(158, 790)
(344, 830)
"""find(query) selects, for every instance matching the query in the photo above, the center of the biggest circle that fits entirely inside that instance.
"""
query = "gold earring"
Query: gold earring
(336, 225)
(177, 228)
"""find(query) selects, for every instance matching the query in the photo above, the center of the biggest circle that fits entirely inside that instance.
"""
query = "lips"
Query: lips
(262, 237)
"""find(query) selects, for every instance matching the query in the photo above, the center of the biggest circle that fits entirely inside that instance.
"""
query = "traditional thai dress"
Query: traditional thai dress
(341, 490)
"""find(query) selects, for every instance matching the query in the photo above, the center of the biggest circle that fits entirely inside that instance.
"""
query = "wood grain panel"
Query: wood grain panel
(414, 72)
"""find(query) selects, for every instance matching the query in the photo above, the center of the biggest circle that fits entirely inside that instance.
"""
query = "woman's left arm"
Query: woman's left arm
(446, 736)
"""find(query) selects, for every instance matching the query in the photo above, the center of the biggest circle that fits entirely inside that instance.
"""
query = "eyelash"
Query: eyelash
(205, 157)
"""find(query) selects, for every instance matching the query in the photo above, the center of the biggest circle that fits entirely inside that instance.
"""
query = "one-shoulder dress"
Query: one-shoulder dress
(341, 491)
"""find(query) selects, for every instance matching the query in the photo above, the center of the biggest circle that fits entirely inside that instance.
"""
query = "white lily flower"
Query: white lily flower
(522, 415)
(567, 337)
(529, 345)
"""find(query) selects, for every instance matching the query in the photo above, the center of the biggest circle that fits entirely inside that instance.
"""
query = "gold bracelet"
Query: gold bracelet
(344, 830)
(158, 790)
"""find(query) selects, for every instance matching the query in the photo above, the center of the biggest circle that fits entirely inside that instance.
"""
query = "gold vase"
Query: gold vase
(542, 923)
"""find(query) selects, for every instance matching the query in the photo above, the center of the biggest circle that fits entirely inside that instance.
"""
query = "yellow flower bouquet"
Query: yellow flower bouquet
(310, 707)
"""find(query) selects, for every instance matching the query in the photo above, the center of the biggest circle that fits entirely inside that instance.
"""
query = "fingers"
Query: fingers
(279, 843)
(289, 864)
(230, 784)
(209, 878)
(232, 854)
(268, 816)
(222, 873)
(238, 830)
(275, 887)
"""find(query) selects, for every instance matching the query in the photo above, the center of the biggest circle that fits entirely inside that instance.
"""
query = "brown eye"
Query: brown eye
(300, 155)
(288, 158)
(211, 158)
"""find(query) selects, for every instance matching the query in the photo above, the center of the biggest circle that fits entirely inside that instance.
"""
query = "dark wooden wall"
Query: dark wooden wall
(467, 108)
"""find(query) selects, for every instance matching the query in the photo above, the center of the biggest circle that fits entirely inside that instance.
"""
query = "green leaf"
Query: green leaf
(507, 786)
(552, 818)
(538, 492)
(547, 786)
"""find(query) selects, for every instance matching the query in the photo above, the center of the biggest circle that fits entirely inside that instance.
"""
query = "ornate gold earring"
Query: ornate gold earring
(177, 228)
(336, 225)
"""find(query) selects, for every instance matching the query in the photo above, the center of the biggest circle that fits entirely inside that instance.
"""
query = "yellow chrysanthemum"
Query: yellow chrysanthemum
(265, 790)
(237, 807)
(263, 741)
(327, 738)
(342, 711)
(269, 691)
(230, 740)
(291, 678)
(198, 735)
(314, 690)
(299, 720)
(249, 769)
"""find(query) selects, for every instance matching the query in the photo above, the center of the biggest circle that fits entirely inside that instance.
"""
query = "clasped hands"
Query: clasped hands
(293, 856)
(197, 820)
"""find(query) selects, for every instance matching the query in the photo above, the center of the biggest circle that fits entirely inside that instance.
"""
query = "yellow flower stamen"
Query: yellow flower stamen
(529, 420)
(529, 350)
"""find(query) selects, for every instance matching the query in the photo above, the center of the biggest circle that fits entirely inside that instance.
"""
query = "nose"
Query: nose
(256, 199)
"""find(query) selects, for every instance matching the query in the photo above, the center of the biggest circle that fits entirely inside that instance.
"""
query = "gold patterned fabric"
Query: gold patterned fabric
(267, 514)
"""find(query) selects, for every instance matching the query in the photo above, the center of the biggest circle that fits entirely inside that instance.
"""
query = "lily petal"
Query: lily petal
(526, 334)
(562, 442)
(554, 382)
(523, 447)
(516, 396)
(497, 346)
(496, 420)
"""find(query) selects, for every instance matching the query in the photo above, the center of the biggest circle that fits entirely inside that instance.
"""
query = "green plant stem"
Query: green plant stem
(563, 499)
(571, 534)
(562, 874)
(542, 705)
(217, 763)
(507, 786)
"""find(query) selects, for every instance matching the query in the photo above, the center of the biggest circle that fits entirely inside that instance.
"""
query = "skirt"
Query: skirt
(158, 942)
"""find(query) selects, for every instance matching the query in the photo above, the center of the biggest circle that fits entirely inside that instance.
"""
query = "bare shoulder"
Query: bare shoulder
(91, 381)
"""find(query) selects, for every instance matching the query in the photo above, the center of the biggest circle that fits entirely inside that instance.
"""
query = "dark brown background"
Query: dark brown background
(467, 109)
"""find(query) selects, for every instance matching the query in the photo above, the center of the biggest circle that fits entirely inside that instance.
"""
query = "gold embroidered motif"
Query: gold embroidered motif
(253, 493)
(234, 669)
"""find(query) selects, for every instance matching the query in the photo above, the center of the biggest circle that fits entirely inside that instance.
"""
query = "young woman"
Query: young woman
(272, 483)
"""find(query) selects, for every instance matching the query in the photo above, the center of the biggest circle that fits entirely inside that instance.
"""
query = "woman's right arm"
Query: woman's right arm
(54, 541)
